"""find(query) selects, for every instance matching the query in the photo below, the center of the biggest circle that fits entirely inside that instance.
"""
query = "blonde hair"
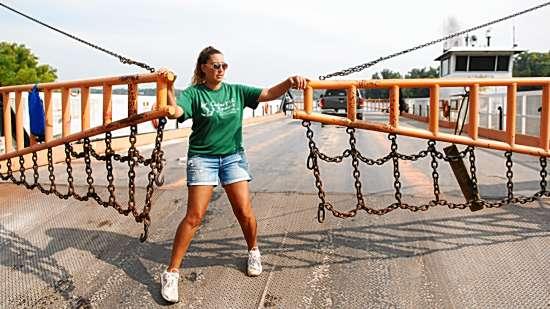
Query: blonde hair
(198, 75)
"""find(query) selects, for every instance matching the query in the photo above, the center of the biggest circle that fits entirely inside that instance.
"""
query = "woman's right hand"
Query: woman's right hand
(298, 82)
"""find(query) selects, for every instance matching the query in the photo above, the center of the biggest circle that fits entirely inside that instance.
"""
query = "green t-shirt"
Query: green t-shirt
(217, 116)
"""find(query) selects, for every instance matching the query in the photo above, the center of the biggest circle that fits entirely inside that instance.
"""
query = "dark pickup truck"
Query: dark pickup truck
(335, 102)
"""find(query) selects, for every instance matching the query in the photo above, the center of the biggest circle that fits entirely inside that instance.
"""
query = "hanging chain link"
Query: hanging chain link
(315, 154)
(131, 172)
(134, 159)
(509, 175)
(153, 178)
(435, 173)
(543, 174)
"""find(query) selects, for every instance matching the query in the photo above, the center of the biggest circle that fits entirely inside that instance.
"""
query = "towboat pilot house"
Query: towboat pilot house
(460, 62)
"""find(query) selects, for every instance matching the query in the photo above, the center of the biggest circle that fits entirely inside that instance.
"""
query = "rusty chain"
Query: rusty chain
(134, 159)
(315, 154)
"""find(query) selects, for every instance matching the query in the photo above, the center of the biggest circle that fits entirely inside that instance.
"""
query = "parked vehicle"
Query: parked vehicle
(335, 102)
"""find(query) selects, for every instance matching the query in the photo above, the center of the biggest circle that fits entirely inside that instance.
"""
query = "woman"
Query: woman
(216, 155)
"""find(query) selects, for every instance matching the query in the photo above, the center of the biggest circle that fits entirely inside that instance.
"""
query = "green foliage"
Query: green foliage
(420, 73)
(407, 92)
(532, 65)
(423, 73)
(18, 65)
(389, 74)
(381, 93)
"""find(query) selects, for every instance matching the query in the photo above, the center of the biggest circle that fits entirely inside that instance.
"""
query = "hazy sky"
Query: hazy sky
(263, 41)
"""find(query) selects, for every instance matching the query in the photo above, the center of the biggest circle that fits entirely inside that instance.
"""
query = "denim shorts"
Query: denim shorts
(210, 170)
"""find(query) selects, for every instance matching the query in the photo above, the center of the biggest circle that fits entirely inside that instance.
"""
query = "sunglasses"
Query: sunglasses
(218, 65)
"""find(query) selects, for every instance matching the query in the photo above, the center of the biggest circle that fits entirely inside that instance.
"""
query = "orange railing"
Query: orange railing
(162, 81)
(433, 132)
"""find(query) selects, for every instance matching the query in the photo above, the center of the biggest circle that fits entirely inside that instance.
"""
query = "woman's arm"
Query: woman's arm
(294, 82)
(172, 102)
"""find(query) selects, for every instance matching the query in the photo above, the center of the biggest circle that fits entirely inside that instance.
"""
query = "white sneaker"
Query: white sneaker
(254, 262)
(169, 282)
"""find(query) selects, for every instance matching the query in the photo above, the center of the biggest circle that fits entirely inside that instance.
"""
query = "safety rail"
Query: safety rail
(162, 81)
(433, 132)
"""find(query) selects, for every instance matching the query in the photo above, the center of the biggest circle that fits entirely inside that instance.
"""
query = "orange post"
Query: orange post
(545, 118)
(48, 130)
(434, 109)
(84, 108)
(473, 119)
(352, 103)
(394, 106)
(6, 112)
(511, 114)
(132, 99)
(19, 128)
(65, 112)
(162, 89)
(107, 108)
(308, 99)
(162, 93)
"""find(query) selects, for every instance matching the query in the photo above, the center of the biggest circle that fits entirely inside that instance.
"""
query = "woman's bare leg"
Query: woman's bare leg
(197, 203)
(239, 197)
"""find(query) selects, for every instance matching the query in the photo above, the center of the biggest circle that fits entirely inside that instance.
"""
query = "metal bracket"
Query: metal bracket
(463, 178)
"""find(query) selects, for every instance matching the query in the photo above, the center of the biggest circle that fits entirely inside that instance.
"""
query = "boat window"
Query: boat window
(503, 63)
(461, 64)
(482, 63)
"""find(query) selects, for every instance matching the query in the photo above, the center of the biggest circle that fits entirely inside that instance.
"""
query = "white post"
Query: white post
(489, 112)
(523, 113)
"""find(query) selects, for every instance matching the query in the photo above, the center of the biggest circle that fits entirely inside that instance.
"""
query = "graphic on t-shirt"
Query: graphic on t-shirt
(222, 109)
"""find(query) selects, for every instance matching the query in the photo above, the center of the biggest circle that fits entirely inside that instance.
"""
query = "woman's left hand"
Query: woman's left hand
(297, 82)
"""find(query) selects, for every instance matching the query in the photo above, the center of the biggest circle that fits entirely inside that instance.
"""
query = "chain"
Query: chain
(36, 176)
(356, 173)
(396, 174)
(134, 158)
(543, 175)
(51, 175)
(435, 155)
(70, 179)
(435, 174)
(131, 172)
(88, 164)
(121, 58)
(312, 165)
(159, 162)
(110, 178)
(509, 175)
(473, 176)
(153, 177)
(364, 66)
(22, 178)
(10, 172)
